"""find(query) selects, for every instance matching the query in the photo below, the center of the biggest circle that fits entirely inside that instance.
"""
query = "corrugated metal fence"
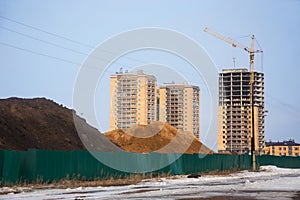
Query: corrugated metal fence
(48, 165)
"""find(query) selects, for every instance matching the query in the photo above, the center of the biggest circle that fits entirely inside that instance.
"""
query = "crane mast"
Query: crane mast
(251, 52)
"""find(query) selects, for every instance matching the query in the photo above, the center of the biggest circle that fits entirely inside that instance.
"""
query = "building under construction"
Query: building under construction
(234, 111)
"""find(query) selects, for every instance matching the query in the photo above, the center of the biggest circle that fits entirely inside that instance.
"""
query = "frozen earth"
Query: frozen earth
(270, 183)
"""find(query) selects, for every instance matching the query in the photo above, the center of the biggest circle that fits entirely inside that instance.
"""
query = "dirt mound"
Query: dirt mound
(43, 124)
(157, 137)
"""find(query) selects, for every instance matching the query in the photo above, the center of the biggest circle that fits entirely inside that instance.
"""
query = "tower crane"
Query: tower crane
(250, 49)
(251, 52)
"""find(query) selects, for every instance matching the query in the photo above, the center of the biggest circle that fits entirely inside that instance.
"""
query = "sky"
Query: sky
(44, 43)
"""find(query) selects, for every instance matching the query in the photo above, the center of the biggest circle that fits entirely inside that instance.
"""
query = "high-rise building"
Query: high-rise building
(132, 99)
(179, 105)
(234, 119)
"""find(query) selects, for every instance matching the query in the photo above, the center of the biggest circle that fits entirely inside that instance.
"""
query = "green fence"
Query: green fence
(10, 163)
(279, 161)
(48, 165)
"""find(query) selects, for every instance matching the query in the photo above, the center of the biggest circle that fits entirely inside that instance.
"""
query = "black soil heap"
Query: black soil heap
(43, 124)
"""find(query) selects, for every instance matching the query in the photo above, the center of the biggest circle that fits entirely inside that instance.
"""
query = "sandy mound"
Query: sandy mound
(157, 137)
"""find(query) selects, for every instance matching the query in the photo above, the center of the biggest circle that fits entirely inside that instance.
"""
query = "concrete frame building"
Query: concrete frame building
(285, 148)
(132, 99)
(234, 121)
(179, 105)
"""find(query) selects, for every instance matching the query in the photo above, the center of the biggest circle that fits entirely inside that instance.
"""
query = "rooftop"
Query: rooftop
(234, 70)
(239, 70)
(284, 143)
(178, 85)
(126, 73)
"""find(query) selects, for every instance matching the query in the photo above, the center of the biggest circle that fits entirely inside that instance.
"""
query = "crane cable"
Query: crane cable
(262, 55)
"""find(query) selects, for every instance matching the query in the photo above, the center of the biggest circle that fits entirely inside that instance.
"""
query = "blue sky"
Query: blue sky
(276, 25)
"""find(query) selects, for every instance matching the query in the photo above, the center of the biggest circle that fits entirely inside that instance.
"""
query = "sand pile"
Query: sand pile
(157, 137)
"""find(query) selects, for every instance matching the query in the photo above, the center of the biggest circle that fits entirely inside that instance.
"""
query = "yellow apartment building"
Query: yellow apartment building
(285, 148)
(132, 99)
(179, 105)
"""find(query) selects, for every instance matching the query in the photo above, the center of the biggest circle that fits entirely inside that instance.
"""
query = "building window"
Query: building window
(279, 148)
(296, 148)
